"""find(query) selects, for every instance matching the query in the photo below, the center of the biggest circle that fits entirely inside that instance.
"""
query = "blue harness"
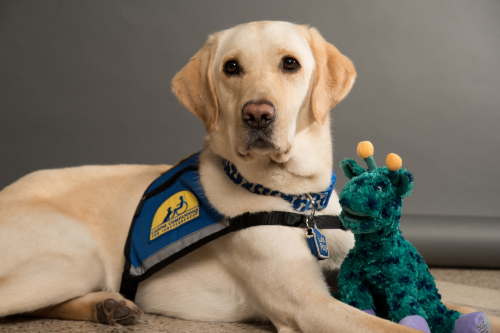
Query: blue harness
(174, 218)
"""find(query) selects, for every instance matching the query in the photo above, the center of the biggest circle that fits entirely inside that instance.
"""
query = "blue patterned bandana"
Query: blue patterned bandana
(299, 202)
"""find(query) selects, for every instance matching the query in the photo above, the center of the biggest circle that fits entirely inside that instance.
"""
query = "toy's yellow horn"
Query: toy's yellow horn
(365, 149)
(393, 162)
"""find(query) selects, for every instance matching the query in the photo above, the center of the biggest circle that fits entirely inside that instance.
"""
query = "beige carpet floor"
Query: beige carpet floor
(479, 289)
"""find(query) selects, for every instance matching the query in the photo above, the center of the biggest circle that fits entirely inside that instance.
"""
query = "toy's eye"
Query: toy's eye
(379, 186)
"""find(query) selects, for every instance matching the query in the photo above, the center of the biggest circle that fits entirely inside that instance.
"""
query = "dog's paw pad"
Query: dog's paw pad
(112, 312)
(109, 304)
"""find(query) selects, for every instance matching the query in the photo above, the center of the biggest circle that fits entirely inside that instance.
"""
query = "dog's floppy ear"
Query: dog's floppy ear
(334, 75)
(194, 86)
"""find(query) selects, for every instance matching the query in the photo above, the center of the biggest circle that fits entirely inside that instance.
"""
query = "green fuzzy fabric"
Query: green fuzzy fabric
(384, 271)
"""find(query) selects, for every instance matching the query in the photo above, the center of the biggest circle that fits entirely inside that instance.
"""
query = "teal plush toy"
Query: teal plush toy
(383, 274)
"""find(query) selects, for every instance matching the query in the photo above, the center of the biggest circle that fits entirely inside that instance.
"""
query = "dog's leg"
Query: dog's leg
(47, 258)
(43, 282)
(283, 282)
(100, 307)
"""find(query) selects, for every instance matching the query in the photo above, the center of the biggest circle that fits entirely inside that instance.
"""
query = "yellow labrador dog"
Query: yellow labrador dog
(263, 91)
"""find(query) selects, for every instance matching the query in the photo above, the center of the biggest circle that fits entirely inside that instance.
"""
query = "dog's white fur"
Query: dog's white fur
(62, 232)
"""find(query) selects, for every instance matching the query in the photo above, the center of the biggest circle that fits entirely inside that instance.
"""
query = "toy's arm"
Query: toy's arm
(351, 287)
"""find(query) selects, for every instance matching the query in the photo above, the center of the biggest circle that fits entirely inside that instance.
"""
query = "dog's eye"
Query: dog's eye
(290, 64)
(231, 67)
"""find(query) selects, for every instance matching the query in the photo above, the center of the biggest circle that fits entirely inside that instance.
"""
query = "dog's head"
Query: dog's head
(263, 91)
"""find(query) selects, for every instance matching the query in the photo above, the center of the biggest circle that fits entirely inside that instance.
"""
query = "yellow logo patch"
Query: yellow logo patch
(180, 208)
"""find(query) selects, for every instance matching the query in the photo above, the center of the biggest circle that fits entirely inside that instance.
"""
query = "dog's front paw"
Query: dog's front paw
(112, 312)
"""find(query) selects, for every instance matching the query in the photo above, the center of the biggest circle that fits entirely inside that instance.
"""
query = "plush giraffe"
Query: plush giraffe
(384, 274)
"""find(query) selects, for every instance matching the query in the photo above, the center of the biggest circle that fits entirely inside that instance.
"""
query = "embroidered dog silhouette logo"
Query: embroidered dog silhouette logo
(178, 209)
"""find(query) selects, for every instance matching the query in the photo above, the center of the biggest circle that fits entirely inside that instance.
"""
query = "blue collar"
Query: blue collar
(299, 202)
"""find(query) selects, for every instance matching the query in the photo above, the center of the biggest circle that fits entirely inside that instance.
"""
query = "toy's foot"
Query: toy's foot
(416, 322)
(475, 322)
(369, 311)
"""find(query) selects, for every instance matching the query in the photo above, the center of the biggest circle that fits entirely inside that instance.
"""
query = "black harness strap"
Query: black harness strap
(130, 284)
(284, 219)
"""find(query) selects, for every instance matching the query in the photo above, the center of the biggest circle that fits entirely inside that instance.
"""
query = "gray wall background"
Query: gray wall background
(88, 82)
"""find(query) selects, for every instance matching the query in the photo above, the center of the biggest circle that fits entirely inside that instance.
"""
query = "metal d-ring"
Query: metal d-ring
(313, 211)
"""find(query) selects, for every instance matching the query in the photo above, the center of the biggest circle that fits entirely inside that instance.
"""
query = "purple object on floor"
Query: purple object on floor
(370, 311)
(416, 322)
(475, 322)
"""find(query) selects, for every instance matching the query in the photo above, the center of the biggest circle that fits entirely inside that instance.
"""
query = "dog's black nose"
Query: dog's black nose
(258, 115)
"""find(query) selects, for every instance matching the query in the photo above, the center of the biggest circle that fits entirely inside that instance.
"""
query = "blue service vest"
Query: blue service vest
(174, 218)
